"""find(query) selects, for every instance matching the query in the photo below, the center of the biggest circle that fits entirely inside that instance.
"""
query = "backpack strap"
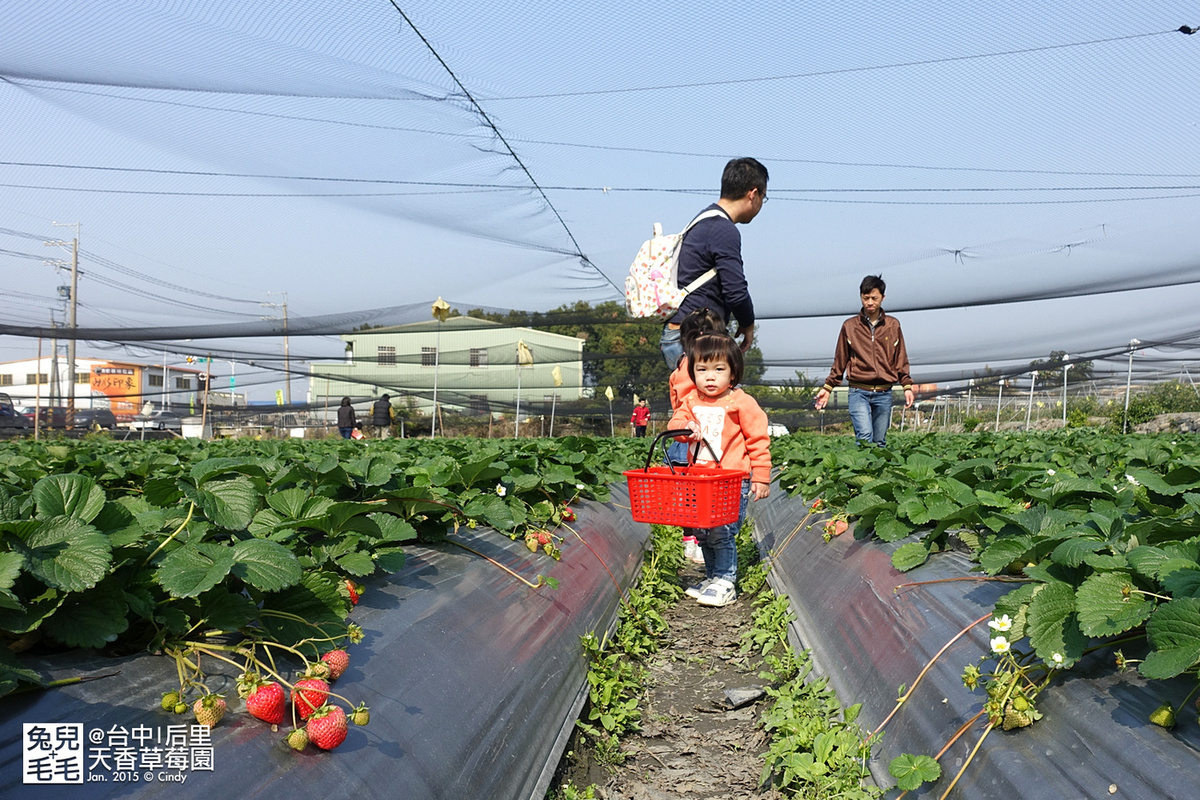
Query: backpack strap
(712, 273)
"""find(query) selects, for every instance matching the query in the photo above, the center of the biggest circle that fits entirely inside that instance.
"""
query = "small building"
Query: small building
(120, 386)
(476, 365)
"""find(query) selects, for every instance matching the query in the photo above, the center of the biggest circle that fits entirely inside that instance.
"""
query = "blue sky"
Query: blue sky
(362, 159)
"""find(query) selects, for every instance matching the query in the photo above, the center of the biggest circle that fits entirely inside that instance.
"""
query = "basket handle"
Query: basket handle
(672, 434)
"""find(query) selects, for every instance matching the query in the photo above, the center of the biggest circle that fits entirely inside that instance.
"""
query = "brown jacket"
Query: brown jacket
(871, 358)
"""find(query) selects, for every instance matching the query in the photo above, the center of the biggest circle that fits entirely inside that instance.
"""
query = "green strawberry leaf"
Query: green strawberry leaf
(911, 771)
(68, 496)
(1174, 630)
(1183, 582)
(67, 553)
(890, 529)
(193, 569)
(265, 565)
(1052, 625)
(226, 611)
(1003, 551)
(910, 556)
(357, 563)
(92, 618)
(1108, 604)
(229, 504)
(392, 528)
(1072, 551)
(10, 568)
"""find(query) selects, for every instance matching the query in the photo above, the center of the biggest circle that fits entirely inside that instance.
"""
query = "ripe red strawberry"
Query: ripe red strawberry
(818, 504)
(327, 727)
(308, 695)
(544, 537)
(266, 703)
(567, 514)
(337, 660)
(209, 709)
(354, 589)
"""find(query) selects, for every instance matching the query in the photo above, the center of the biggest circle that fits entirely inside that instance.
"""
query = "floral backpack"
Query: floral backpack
(652, 286)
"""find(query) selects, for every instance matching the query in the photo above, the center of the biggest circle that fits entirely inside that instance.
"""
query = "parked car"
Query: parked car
(85, 418)
(9, 416)
(157, 421)
(95, 418)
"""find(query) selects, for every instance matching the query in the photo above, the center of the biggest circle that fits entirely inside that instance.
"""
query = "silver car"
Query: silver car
(157, 421)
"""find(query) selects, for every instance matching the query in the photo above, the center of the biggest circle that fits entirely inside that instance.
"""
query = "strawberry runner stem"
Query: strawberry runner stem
(179, 530)
(540, 583)
(904, 697)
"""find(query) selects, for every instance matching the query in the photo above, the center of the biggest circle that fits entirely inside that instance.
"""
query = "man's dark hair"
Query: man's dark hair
(717, 347)
(386, 397)
(740, 176)
(872, 282)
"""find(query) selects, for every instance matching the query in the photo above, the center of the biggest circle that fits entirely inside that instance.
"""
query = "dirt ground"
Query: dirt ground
(693, 743)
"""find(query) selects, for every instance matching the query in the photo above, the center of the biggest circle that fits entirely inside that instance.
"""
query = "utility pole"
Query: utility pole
(287, 364)
(71, 319)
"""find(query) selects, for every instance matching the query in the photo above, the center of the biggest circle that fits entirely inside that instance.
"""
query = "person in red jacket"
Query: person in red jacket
(640, 418)
(735, 428)
(870, 351)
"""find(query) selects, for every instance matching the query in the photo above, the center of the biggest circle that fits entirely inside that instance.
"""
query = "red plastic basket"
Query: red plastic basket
(691, 497)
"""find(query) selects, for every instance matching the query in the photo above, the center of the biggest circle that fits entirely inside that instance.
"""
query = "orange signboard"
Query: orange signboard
(122, 385)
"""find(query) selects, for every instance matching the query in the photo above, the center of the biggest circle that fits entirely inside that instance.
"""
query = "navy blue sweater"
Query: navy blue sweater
(715, 243)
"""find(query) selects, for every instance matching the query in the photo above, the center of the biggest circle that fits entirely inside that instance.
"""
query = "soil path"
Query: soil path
(693, 744)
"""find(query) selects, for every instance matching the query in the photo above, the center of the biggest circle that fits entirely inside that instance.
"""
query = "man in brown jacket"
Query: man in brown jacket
(870, 352)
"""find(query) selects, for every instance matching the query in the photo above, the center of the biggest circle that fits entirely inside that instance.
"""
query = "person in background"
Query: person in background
(870, 351)
(715, 243)
(345, 418)
(735, 427)
(381, 416)
(640, 418)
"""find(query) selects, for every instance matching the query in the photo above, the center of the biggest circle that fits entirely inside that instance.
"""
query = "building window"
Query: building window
(33, 378)
(479, 403)
(387, 355)
(83, 377)
(6, 380)
(156, 380)
(428, 356)
(479, 357)
(183, 383)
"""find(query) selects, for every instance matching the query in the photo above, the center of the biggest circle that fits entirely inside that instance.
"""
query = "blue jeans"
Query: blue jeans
(870, 414)
(671, 346)
(719, 545)
(345, 432)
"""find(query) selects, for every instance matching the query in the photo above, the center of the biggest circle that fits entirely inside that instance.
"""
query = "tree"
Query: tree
(1050, 371)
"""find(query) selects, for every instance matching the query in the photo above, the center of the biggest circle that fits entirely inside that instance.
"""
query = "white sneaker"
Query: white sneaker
(696, 590)
(690, 547)
(719, 592)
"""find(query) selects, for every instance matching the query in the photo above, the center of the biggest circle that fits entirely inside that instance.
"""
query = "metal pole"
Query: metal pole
(1128, 382)
(70, 420)
(287, 361)
(517, 419)
(37, 393)
(437, 360)
(999, 400)
(1066, 367)
(553, 401)
(165, 377)
(1029, 409)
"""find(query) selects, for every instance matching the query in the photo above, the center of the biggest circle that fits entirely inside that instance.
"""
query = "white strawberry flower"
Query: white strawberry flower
(1057, 659)
(500, 490)
(1132, 479)
(580, 486)
(1049, 472)
(1000, 644)
(1002, 624)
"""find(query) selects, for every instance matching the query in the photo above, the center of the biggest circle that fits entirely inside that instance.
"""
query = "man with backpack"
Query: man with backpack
(382, 416)
(714, 243)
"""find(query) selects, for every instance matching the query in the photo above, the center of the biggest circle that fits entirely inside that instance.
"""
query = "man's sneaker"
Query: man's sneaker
(696, 590)
(718, 592)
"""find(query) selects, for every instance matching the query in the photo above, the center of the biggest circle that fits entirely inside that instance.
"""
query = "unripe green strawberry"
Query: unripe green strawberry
(297, 739)
(327, 727)
(1163, 716)
(531, 542)
(180, 707)
(338, 661)
(360, 715)
(209, 709)
(169, 700)
(319, 670)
